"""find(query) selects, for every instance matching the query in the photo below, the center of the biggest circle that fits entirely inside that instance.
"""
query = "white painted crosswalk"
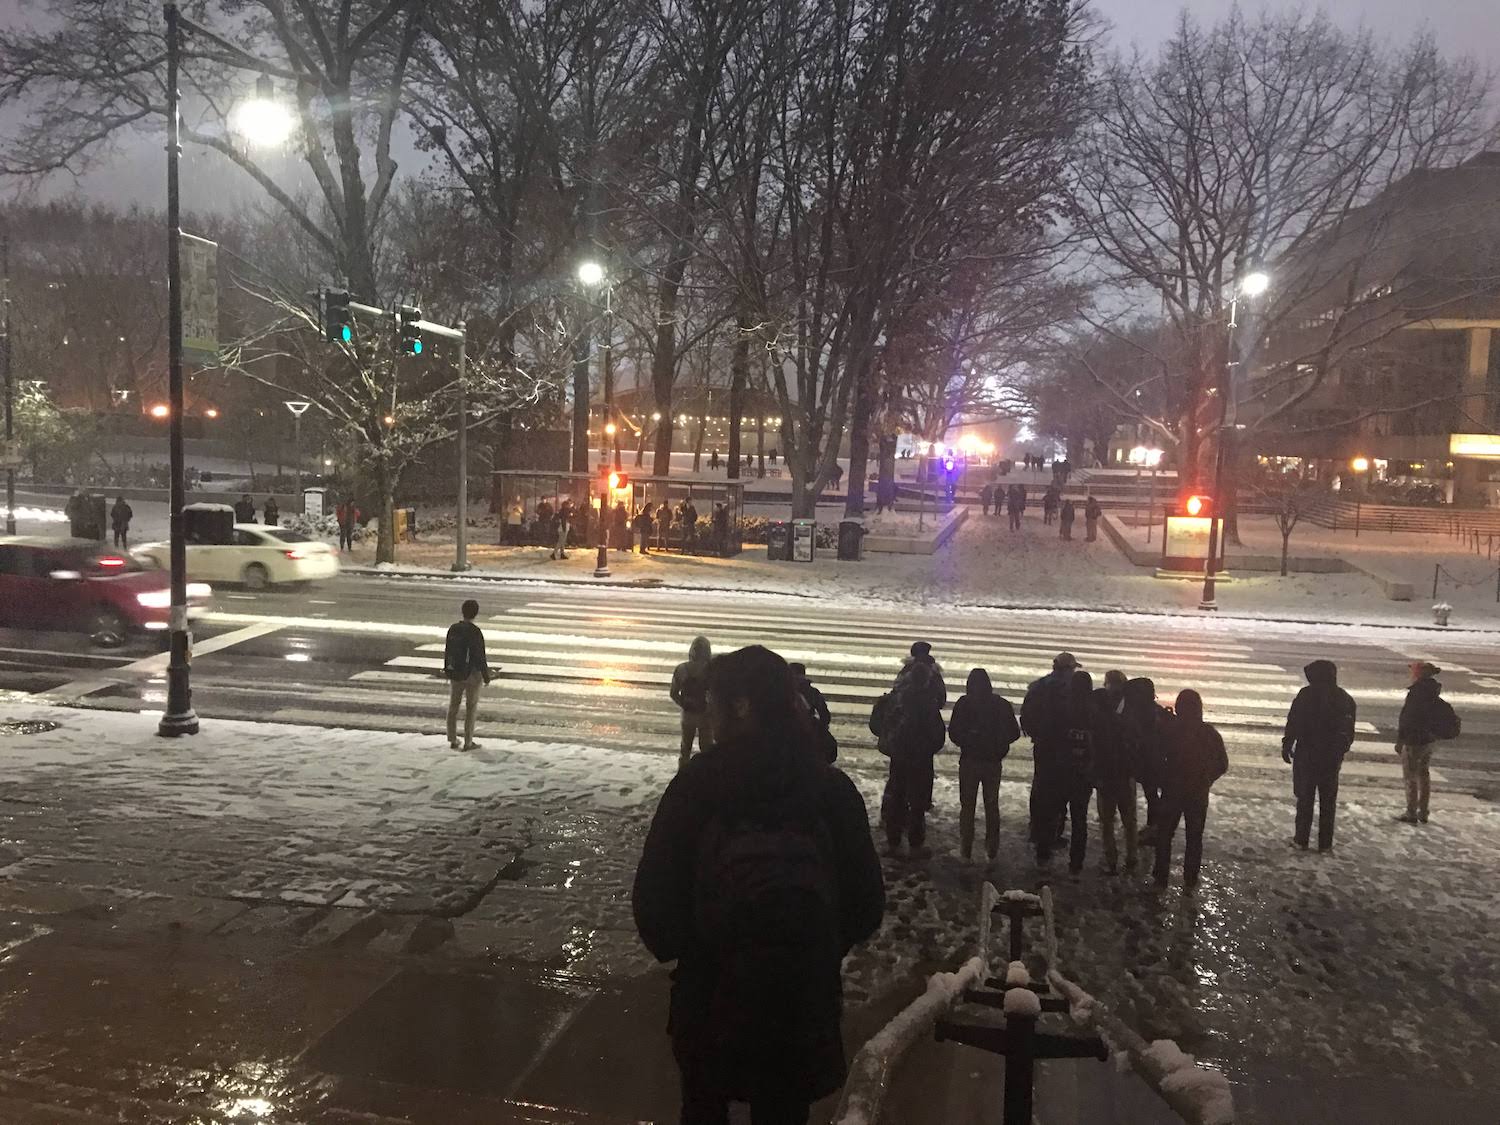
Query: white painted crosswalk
(597, 670)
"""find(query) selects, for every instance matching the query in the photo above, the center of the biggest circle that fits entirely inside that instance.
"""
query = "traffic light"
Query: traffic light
(1197, 506)
(338, 324)
(617, 480)
(408, 335)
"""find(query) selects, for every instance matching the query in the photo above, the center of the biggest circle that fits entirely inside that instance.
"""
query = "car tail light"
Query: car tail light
(111, 561)
(295, 554)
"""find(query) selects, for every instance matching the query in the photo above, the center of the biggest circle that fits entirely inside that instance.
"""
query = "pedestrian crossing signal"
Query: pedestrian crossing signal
(617, 481)
(1196, 506)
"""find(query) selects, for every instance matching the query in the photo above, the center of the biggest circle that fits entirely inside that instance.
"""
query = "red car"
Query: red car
(78, 584)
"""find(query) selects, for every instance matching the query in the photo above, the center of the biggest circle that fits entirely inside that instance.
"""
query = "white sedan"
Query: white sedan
(259, 556)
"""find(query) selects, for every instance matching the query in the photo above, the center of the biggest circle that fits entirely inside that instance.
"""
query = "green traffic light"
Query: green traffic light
(416, 347)
(347, 333)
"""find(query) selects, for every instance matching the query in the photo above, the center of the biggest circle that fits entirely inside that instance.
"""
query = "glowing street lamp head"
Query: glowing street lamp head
(1196, 505)
(609, 428)
(160, 410)
(1360, 464)
(590, 273)
(263, 120)
(211, 412)
(1255, 283)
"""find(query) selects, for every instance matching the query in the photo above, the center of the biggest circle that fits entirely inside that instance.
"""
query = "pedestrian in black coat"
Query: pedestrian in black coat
(1319, 732)
(119, 521)
(818, 712)
(756, 1006)
(983, 726)
(1146, 726)
(986, 498)
(272, 512)
(1194, 758)
(1113, 778)
(1066, 520)
(1092, 513)
(244, 510)
(1065, 770)
(911, 732)
(1416, 734)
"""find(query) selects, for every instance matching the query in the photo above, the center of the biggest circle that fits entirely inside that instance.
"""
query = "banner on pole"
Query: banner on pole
(200, 301)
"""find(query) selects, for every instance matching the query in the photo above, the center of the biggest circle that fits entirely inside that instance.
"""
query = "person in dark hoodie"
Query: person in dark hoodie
(1146, 726)
(1065, 776)
(119, 521)
(757, 877)
(921, 654)
(911, 733)
(1319, 732)
(817, 710)
(1193, 760)
(983, 726)
(1040, 710)
(1114, 780)
(1422, 714)
(689, 691)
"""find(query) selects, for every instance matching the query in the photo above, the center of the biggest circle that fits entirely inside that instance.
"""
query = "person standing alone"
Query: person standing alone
(1319, 732)
(119, 520)
(1092, 513)
(1426, 717)
(690, 692)
(466, 669)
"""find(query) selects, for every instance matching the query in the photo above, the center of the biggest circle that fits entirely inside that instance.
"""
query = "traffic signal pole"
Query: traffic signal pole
(10, 390)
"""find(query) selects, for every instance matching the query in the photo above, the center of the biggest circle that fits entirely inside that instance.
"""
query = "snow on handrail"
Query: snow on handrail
(869, 1073)
(1196, 1094)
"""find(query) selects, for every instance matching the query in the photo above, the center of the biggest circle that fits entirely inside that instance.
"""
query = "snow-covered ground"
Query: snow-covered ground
(1377, 964)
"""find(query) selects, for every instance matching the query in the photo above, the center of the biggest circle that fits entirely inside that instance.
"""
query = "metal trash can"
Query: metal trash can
(779, 541)
(804, 540)
(852, 540)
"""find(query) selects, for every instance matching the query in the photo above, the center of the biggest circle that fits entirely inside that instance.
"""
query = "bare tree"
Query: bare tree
(1260, 143)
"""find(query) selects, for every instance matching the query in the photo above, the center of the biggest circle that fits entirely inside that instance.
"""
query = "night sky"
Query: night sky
(134, 173)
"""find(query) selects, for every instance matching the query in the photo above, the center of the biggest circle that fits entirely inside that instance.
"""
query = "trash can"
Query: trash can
(779, 541)
(851, 540)
(398, 526)
(804, 540)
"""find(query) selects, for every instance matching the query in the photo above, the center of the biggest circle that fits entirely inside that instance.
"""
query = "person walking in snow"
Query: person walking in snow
(908, 720)
(347, 515)
(663, 526)
(467, 669)
(1092, 513)
(119, 521)
(1050, 501)
(643, 528)
(1113, 781)
(758, 876)
(621, 530)
(986, 498)
(1425, 718)
(1319, 732)
(690, 692)
(983, 726)
(1066, 520)
(687, 520)
(1194, 759)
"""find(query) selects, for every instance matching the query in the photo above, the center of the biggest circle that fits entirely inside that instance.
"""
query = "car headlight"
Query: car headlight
(155, 599)
(199, 590)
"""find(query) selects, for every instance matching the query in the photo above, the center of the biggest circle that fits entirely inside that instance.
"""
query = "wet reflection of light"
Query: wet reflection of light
(578, 946)
(575, 864)
(249, 1109)
(153, 697)
(298, 657)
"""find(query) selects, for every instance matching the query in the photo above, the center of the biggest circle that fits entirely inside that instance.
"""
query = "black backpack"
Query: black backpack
(1444, 722)
(766, 912)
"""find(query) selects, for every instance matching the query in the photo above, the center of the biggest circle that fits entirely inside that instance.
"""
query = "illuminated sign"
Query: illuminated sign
(1484, 447)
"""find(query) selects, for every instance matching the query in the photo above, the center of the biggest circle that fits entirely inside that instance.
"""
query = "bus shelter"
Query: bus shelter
(527, 501)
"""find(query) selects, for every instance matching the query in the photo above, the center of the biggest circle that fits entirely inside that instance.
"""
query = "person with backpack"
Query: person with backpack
(1040, 717)
(758, 876)
(908, 720)
(1319, 732)
(983, 726)
(1065, 771)
(1194, 758)
(467, 669)
(817, 710)
(1146, 723)
(1426, 717)
(689, 691)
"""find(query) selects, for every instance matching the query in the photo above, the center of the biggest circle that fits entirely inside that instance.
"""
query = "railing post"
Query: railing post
(1435, 568)
(1020, 1067)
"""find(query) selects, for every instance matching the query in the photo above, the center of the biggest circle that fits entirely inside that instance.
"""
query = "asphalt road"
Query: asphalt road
(592, 666)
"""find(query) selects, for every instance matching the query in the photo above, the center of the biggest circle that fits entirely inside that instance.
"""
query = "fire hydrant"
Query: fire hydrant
(1440, 613)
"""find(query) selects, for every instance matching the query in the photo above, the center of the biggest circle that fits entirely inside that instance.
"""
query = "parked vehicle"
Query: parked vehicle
(78, 584)
(256, 555)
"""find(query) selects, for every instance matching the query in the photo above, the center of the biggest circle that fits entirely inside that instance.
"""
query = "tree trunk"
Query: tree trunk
(640, 449)
(760, 447)
(887, 466)
(698, 444)
(664, 363)
(581, 404)
(804, 498)
(859, 440)
(1230, 508)
(1286, 539)
(739, 372)
(385, 543)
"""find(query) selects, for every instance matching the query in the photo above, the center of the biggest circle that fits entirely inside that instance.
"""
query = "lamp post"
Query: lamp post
(10, 393)
(298, 408)
(1251, 285)
(257, 120)
(461, 536)
(591, 275)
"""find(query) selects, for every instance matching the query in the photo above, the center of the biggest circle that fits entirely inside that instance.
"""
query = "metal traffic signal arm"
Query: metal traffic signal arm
(420, 328)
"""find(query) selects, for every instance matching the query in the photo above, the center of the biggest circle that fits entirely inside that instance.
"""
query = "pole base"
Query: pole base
(601, 565)
(1210, 606)
(172, 726)
(460, 567)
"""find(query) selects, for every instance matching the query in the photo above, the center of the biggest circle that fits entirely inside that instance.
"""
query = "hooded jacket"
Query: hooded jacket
(1414, 728)
(1320, 724)
(753, 779)
(1193, 753)
(690, 679)
(983, 724)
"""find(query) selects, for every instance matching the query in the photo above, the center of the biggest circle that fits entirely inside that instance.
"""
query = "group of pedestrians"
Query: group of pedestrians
(244, 511)
(1054, 508)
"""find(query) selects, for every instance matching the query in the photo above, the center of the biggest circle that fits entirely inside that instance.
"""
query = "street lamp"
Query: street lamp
(263, 120)
(1253, 284)
(592, 275)
(298, 407)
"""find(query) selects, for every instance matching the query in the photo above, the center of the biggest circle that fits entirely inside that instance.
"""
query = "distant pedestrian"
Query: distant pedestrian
(515, 519)
(1194, 759)
(713, 460)
(757, 877)
(663, 526)
(467, 669)
(1113, 779)
(986, 498)
(909, 724)
(562, 525)
(721, 529)
(272, 512)
(543, 530)
(119, 521)
(643, 528)
(690, 692)
(687, 523)
(1050, 501)
(244, 509)
(621, 530)
(1065, 520)
(347, 515)
(1425, 718)
(983, 727)
(1319, 732)
(1092, 512)
(825, 743)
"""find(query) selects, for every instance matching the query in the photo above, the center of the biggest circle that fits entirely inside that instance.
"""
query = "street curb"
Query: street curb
(1220, 615)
